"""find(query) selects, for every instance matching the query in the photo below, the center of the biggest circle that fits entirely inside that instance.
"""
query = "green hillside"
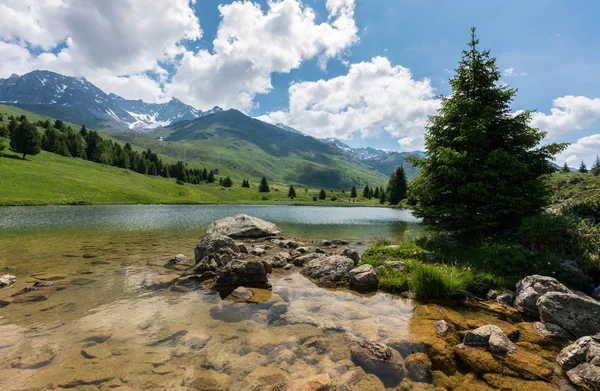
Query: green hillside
(245, 147)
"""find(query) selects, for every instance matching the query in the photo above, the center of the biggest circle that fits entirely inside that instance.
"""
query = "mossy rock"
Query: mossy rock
(510, 383)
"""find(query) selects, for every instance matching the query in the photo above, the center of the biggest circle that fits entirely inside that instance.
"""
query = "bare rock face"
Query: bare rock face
(364, 277)
(579, 315)
(531, 288)
(381, 360)
(214, 244)
(581, 360)
(243, 226)
(246, 273)
(7, 280)
(332, 269)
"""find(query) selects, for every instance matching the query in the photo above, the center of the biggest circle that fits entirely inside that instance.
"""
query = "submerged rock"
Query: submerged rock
(213, 244)
(531, 288)
(246, 272)
(7, 280)
(243, 226)
(179, 258)
(241, 293)
(332, 269)
(579, 315)
(364, 277)
(381, 360)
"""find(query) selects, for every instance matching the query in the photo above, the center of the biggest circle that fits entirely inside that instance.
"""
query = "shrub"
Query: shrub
(517, 260)
(586, 245)
(589, 208)
(546, 232)
(438, 281)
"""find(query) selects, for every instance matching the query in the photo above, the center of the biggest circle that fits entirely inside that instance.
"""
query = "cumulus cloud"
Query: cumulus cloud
(373, 96)
(251, 44)
(586, 149)
(568, 115)
(97, 39)
(510, 72)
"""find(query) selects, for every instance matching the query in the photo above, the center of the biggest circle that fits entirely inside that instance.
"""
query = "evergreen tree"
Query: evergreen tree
(152, 168)
(366, 192)
(397, 187)
(264, 186)
(167, 174)
(211, 177)
(484, 170)
(4, 132)
(292, 192)
(227, 182)
(353, 192)
(376, 194)
(322, 194)
(26, 139)
(371, 193)
(583, 168)
(143, 167)
(204, 175)
(565, 168)
(382, 196)
(595, 171)
(2, 145)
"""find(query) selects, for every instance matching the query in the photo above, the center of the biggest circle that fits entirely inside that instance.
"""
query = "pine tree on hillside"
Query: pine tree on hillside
(227, 182)
(292, 192)
(484, 170)
(565, 168)
(583, 168)
(2, 145)
(204, 175)
(263, 187)
(353, 192)
(397, 187)
(25, 139)
(322, 194)
(366, 192)
(376, 194)
(220, 181)
(371, 193)
(595, 171)
(211, 177)
(382, 197)
(143, 167)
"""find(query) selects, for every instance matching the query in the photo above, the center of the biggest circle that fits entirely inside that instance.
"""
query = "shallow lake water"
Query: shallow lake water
(109, 323)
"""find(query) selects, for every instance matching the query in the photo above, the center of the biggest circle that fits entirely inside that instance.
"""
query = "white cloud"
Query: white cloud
(97, 39)
(252, 44)
(510, 72)
(569, 115)
(586, 149)
(373, 96)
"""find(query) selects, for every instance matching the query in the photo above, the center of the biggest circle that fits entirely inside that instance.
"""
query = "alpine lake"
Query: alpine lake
(118, 316)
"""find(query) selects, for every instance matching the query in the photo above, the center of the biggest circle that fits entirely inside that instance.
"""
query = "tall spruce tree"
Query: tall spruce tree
(397, 187)
(376, 194)
(382, 196)
(292, 192)
(366, 192)
(595, 170)
(211, 177)
(322, 194)
(26, 139)
(353, 192)
(227, 182)
(583, 168)
(484, 170)
(263, 187)
(565, 168)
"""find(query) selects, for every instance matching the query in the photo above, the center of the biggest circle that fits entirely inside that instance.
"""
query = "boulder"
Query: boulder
(331, 269)
(247, 273)
(303, 250)
(7, 280)
(350, 253)
(241, 293)
(579, 315)
(550, 330)
(531, 288)
(206, 265)
(491, 295)
(577, 278)
(258, 251)
(379, 359)
(213, 244)
(304, 259)
(492, 337)
(506, 297)
(243, 226)
(280, 260)
(291, 244)
(397, 265)
(581, 360)
(364, 277)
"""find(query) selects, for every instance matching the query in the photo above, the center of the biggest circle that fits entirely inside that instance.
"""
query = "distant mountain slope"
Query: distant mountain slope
(379, 159)
(254, 148)
(77, 100)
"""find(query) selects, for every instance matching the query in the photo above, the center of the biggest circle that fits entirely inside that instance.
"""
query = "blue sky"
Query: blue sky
(365, 71)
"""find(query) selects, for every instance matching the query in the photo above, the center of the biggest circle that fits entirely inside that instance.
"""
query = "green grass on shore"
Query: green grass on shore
(50, 179)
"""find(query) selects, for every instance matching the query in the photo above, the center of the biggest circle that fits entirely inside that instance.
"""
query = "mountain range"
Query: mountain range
(225, 137)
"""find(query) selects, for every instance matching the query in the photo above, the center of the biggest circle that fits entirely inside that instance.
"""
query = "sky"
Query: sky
(368, 72)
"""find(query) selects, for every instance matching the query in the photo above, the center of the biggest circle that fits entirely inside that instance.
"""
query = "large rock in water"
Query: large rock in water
(332, 269)
(581, 360)
(242, 272)
(243, 226)
(381, 360)
(364, 277)
(214, 244)
(579, 315)
(531, 288)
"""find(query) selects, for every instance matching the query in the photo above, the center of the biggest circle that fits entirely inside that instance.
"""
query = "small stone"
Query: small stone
(7, 280)
(491, 295)
(241, 293)
(288, 266)
(258, 251)
(443, 328)
(179, 258)
(243, 248)
(506, 297)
